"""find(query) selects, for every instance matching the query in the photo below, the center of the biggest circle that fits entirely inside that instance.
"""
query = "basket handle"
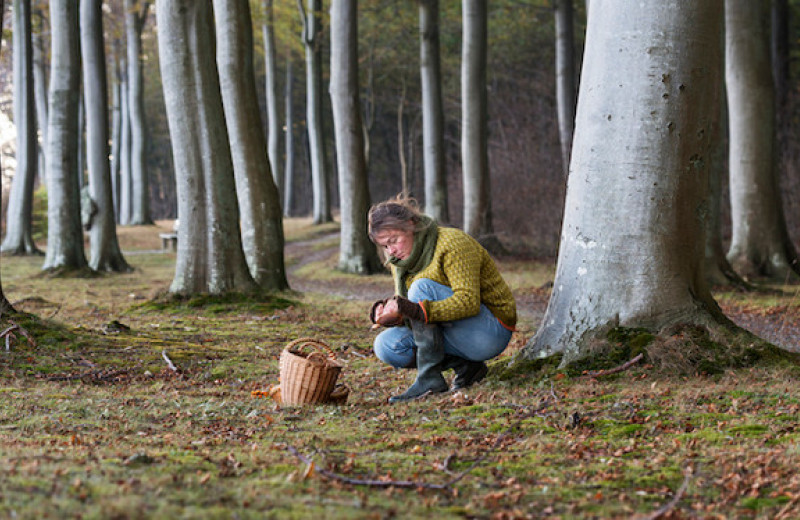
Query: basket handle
(299, 344)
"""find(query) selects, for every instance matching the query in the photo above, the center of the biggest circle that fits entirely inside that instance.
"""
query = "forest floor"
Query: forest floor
(95, 424)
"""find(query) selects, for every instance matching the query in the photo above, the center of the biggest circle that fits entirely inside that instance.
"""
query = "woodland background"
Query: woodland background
(525, 166)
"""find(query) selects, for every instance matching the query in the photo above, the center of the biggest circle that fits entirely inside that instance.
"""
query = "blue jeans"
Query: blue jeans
(476, 338)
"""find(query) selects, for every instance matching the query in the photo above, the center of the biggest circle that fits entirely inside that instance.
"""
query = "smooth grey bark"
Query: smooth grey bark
(125, 182)
(631, 251)
(80, 142)
(105, 253)
(565, 77)
(5, 306)
(433, 153)
(474, 120)
(40, 92)
(357, 254)
(135, 16)
(271, 91)
(312, 40)
(64, 232)
(760, 244)
(116, 134)
(259, 200)
(210, 257)
(288, 183)
(19, 214)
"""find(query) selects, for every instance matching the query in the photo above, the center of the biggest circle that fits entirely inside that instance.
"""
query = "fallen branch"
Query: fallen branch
(622, 367)
(170, 365)
(93, 376)
(412, 484)
(366, 482)
(8, 335)
(669, 506)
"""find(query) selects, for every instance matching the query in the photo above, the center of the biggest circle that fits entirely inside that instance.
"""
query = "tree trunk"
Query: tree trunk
(5, 306)
(210, 257)
(79, 140)
(432, 112)
(631, 249)
(19, 233)
(40, 92)
(271, 74)
(125, 183)
(760, 244)
(312, 39)
(718, 270)
(135, 15)
(105, 252)
(565, 78)
(474, 120)
(259, 200)
(357, 254)
(64, 233)
(116, 133)
(288, 183)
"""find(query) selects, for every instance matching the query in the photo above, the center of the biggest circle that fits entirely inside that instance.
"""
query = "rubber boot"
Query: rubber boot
(467, 372)
(430, 353)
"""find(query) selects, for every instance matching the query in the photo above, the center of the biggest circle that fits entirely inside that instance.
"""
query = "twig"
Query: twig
(410, 484)
(8, 334)
(784, 512)
(624, 366)
(366, 482)
(103, 374)
(170, 365)
(666, 508)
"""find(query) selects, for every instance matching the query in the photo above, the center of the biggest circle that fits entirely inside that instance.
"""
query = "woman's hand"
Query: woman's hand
(385, 312)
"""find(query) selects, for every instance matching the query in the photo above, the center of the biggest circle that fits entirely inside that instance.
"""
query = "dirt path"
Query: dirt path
(780, 328)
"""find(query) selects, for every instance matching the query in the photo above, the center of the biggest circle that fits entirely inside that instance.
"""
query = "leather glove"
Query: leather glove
(410, 310)
(387, 320)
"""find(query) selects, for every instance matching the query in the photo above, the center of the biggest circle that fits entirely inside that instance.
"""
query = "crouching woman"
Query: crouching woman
(451, 309)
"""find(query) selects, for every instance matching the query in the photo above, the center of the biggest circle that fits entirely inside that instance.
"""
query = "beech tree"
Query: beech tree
(105, 251)
(19, 233)
(432, 112)
(210, 257)
(288, 145)
(135, 16)
(474, 120)
(357, 254)
(5, 305)
(631, 249)
(311, 16)
(270, 73)
(259, 200)
(565, 77)
(760, 244)
(64, 231)
(40, 88)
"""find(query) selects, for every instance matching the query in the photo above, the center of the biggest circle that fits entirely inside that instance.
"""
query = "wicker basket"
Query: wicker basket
(308, 372)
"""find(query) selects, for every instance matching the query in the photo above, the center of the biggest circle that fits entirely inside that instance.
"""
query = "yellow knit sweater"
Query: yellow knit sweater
(462, 264)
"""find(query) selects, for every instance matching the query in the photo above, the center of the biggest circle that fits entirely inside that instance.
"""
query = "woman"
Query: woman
(451, 308)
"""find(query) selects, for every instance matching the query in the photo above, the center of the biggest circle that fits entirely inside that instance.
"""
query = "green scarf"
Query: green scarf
(421, 255)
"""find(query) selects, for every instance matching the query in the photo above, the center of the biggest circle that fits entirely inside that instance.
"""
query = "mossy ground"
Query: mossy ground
(94, 425)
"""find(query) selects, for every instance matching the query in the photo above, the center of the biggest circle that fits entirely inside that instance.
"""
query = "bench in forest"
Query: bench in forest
(169, 241)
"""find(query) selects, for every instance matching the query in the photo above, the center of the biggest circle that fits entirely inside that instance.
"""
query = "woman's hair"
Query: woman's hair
(401, 213)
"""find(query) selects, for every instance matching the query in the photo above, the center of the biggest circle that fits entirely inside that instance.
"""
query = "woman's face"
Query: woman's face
(396, 242)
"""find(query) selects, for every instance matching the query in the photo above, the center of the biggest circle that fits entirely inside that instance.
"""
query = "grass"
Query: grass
(94, 425)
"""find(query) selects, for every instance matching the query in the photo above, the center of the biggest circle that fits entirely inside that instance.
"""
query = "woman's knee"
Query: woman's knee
(427, 289)
(391, 351)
